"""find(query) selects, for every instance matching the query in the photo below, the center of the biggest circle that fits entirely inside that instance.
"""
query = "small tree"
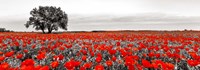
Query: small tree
(48, 17)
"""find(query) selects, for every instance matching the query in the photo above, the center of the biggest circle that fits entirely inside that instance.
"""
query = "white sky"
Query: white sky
(109, 14)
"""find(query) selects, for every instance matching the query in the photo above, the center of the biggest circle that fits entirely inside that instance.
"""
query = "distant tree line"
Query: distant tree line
(4, 30)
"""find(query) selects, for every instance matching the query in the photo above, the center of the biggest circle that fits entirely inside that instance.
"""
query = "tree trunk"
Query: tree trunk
(42, 28)
(49, 30)
(43, 31)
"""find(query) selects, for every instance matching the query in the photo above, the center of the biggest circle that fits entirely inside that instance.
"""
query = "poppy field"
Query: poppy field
(127, 50)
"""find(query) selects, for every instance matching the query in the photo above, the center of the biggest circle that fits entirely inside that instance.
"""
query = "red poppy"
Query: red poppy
(84, 58)
(192, 62)
(99, 67)
(13, 69)
(55, 57)
(146, 63)
(69, 65)
(4, 66)
(92, 54)
(151, 54)
(9, 54)
(84, 52)
(61, 48)
(98, 59)
(25, 51)
(130, 45)
(87, 65)
(16, 44)
(82, 68)
(61, 57)
(2, 58)
(41, 56)
(44, 68)
(54, 64)
(77, 63)
(114, 58)
(118, 43)
(123, 53)
(68, 46)
(131, 67)
(109, 63)
(112, 52)
(170, 66)
(99, 55)
(129, 61)
(24, 67)
(37, 67)
(19, 56)
(33, 46)
(155, 65)
(28, 62)
(1, 52)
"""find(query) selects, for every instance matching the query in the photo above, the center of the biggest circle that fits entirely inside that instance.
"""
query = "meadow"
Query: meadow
(110, 50)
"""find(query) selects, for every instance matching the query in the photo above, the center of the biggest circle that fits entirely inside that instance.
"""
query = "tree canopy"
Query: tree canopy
(47, 18)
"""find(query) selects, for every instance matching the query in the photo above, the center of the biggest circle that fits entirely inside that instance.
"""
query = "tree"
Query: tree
(47, 17)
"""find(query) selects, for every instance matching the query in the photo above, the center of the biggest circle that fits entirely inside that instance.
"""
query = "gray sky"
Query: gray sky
(90, 15)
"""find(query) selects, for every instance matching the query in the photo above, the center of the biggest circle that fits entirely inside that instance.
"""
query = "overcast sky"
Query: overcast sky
(87, 15)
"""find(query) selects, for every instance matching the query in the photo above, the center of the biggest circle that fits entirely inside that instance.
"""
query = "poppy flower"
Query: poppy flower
(37, 67)
(13, 68)
(68, 46)
(25, 51)
(109, 63)
(118, 43)
(92, 54)
(99, 55)
(55, 58)
(44, 68)
(112, 52)
(192, 62)
(98, 59)
(146, 63)
(19, 56)
(2, 58)
(131, 67)
(4, 66)
(87, 65)
(77, 63)
(61, 57)
(16, 44)
(54, 64)
(155, 66)
(129, 61)
(9, 54)
(130, 45)
(84, 58)
(28, 62)
(84, 52)
(114, 58)
(151, 54)
(123, 53)
(170, 66)
(1, 52)
(33, 46)
(41, 56)
(99, 67)
(61, 48)
(69, 65)
(82, 68)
